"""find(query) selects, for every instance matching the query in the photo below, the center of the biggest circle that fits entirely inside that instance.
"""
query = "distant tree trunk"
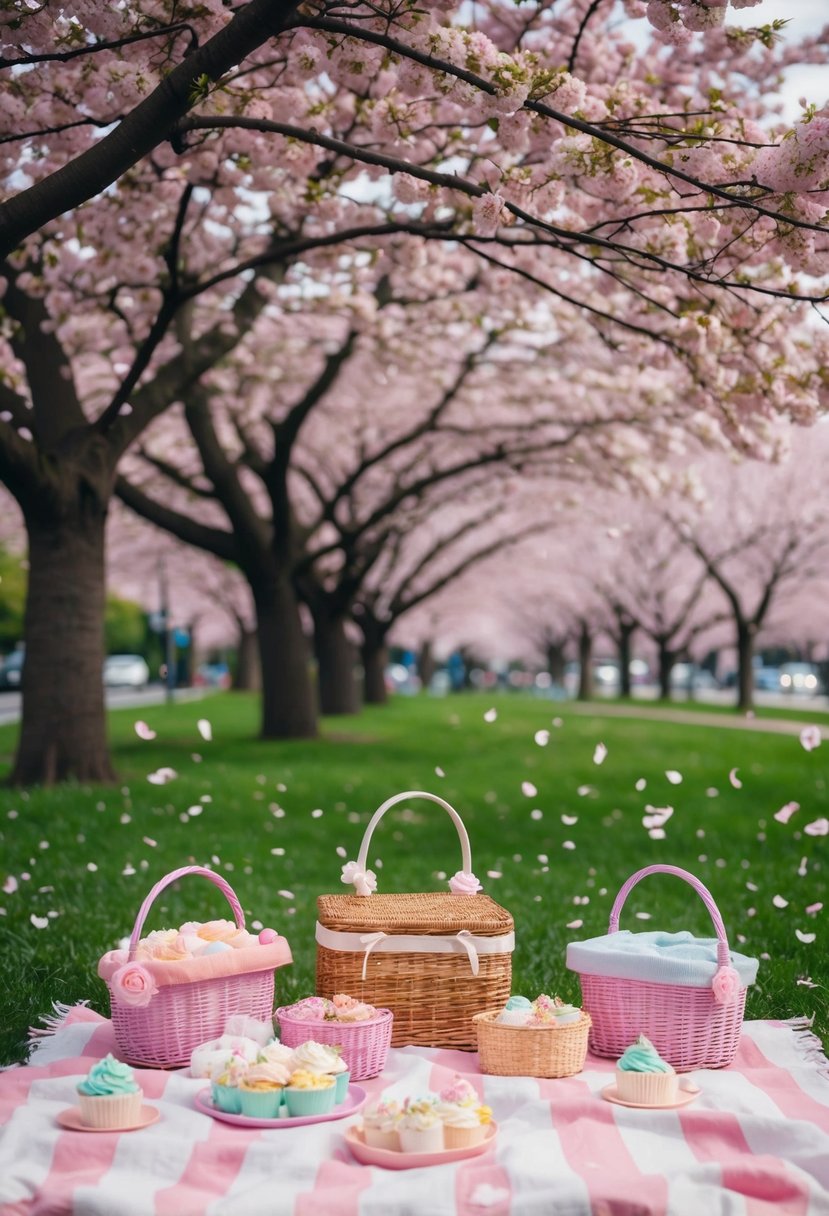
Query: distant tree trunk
(745, 666)
(426, 664)
(375, 658)
(556, 662)
(248, 664)
(63, 728)
(288, 703)
(585, 662)
(627, 628)
(336, 661)
(666, 665)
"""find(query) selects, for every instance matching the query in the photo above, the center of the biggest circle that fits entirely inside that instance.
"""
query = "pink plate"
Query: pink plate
(391, 1160)
(71, 1118)
(684, 1096)
(354, 1099)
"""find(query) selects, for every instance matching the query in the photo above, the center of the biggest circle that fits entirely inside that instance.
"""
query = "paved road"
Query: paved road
(116, 698)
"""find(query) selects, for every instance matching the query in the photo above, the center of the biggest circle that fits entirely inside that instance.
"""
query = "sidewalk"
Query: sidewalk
(686, 717)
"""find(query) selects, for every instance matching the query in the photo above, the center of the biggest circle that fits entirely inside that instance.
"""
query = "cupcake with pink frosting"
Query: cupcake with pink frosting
(421, 1127)
(380, 1125)
(465, 1118)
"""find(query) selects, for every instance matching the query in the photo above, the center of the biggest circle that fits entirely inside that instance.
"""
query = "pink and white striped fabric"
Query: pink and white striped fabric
(755, 1143)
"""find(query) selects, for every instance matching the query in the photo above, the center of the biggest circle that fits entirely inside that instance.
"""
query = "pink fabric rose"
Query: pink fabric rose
(133, 985)
(726, 985)
(464, 884)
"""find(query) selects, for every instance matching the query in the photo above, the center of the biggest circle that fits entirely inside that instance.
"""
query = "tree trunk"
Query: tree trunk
(745, 666)
(248, 664)
(626, 632)
(666, 665)
(375, 658)
(288, 706)
(585, 663)
(63, 729)
(336, 660)
(426, 664)
(555, 663)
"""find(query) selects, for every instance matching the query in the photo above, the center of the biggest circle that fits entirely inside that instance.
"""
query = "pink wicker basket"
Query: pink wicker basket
(691, 1026)
(365, 1045)
(194, 997)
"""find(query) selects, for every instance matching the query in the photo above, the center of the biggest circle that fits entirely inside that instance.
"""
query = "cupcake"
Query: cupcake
(109, 1095)
(642, 1076)
(276, 1053)
(225, 1080)
(319, 1058)
(380, 1126)
(517, 1011)
(464, 1118)
(421, 1127)
(565, 1015)
(260, 1090)
(309, 1093)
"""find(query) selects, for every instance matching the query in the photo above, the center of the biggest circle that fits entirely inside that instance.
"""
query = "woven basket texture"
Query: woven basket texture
(365, 1045)
(530, 1051)
(182, 1016)
(433, 996)
(687, 1026)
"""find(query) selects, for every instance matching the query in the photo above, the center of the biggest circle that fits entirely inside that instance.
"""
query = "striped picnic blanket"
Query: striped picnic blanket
(754, 1143)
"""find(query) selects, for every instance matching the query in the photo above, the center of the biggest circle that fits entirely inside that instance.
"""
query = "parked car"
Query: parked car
(799, 677)
(11, 671)
(688, 675)
(767, 679)
(125, 671)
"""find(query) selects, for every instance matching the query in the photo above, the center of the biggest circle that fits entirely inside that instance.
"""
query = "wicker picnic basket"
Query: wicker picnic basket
(530, 1051)
(686, 994)
(364, 1045)
(195, 996)
(434, 959)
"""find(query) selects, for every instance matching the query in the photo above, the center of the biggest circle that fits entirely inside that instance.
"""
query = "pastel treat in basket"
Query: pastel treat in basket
(465, 1118)
(226, 1078)
(553, 1012)
(517, 1011)
(109, 1096)
(643, 1077)
(380, 1125)
(360, 1031)
(260, 1090)
(309, 1093)
(318, 1058)
(421, 1128)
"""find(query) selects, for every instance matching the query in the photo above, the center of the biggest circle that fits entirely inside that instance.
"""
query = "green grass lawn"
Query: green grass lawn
(279, 819)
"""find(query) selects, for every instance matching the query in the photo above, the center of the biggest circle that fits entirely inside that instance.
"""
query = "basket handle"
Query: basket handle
(365, 880)
(723, 953)
(216, 879)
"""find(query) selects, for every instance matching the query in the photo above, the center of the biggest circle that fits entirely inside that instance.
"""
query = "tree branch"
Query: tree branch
(214, 540)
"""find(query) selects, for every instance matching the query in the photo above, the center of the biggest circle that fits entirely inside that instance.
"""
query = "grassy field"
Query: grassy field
(279, 820)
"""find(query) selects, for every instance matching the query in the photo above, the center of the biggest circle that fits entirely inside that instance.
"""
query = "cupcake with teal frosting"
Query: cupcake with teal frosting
(643, 1077)
(109, 1095)
(517, 1012)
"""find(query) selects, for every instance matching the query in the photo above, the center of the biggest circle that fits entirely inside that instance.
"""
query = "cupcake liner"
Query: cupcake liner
(463, 1137)
(341, 1086)
(111, 1110)
(422, 1140)
(260, 1103)
(226, 1098)
(377, 1139)
(649, 1088)
(309, 1101)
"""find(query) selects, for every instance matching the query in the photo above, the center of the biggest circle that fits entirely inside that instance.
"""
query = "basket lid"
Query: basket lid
(429, 912)
(662, 958)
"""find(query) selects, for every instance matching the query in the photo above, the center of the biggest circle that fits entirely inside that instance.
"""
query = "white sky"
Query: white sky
(805, 17)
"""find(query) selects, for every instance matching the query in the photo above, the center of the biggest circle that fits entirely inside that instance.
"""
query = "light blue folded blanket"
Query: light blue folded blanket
(662, 958)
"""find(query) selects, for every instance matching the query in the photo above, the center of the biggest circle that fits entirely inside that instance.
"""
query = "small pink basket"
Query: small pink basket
(195, 997)
(365, 1045)
(690, 1026)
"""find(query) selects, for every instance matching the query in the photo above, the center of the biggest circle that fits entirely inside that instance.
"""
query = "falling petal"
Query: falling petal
(780, 902)
(10, 885)
(641, 784)
(39, 922)
(148, 841)
(536, 814)
(542, 737)
(806, 981)
(490, 715)
(734, 779)
(340, 851)
(806, 938)
(785, 813)
(569, 820)
(813, 909)
(317, 814)
(286, 894)
(657, 833)
(752, 886)
(712, 793)
(528, 789)
(820, 827)
(810, 738)
(643, 915)
(144, 731)
(568, 844)
(584, 790)
(493, 873)
(599, 754)
(574, 924)
(439, 772)
(128, 870)
(801, 869)
(558, 721)
(195, 810)
(673, 776)
(205, 729)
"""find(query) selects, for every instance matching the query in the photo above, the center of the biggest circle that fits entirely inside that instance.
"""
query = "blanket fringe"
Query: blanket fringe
(52, 1023)
(808, 1044)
